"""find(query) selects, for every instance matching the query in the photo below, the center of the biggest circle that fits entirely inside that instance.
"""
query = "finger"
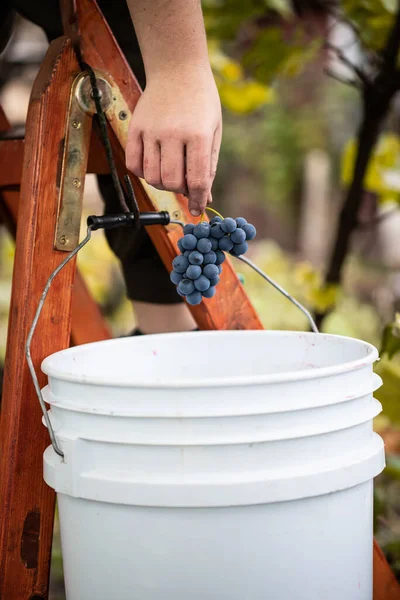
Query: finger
(134, 153)
(173, 166)
(210, 198)
(198, 179)
(216, 145)
(152, 163)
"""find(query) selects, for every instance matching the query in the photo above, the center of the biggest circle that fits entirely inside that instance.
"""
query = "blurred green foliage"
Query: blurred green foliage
(261, 57)
(350, 318)
(384, 164)
(373, 20)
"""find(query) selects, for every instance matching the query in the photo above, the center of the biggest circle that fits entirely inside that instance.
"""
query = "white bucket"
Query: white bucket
(215, 466)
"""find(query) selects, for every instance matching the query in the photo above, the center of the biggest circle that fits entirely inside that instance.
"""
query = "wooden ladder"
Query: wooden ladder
(41, 186)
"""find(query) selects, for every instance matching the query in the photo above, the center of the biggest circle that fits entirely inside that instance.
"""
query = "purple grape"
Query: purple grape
(188, 228)
(180, 293)
(238, 236)
(210, 292)
(204, 245)
(214, 243)
(250, 231)
(202, 230)
(211, 271)
(225, 244)
(186, 287)
(180, 264)
(228, 225)
(189, 242)
(216, 231)
(196, 258)
(202, 283)
(194, 298)
(175, 277)
(239, 249)
(196, 272)
(210, 258)
(193, 272)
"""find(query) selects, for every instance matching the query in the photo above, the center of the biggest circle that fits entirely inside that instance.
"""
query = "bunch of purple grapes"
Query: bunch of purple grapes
(197, 270)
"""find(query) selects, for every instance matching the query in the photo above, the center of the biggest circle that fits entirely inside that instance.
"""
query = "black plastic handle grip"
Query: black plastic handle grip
(128, 219)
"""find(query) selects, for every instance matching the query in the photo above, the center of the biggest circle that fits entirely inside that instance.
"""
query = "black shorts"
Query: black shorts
(145, 276)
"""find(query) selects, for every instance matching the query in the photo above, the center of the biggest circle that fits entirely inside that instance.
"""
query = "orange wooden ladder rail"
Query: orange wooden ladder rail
(88, 324)
(27, 504)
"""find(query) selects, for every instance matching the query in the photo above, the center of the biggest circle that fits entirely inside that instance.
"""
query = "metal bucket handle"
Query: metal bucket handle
(71, 255)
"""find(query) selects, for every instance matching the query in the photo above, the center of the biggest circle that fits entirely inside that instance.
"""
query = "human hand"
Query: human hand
(175, 134)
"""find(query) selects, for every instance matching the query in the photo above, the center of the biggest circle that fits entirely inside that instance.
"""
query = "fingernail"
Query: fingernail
(195, 212)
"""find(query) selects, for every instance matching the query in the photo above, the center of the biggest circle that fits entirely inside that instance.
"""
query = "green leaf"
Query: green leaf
(319, 297)
(225, 18)
(267, 54)
(238, 93)
(393, 466)
(390, 5)
(373, 19)
(390, 344)
(281, 6)
(389, 393)
(245, 96)
(385, 160)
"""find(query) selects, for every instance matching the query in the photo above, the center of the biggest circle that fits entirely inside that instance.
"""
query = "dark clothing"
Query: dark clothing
(145, 276)
(6, 22)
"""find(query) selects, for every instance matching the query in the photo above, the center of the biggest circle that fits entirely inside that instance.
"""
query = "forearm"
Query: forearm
(171, 35)
(174, 138)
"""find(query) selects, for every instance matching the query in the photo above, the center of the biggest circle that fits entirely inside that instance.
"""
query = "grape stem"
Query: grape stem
(280, 289)
(213, 211)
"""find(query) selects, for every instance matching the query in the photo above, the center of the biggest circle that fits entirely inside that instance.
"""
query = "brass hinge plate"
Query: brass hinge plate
(74, 165)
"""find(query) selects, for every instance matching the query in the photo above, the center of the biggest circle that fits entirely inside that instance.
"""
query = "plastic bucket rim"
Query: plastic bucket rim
(233, 380)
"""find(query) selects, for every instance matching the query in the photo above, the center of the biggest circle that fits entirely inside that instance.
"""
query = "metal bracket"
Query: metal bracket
(75, 158)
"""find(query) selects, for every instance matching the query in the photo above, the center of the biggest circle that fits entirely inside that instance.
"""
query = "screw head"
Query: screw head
(122, 115)
(63, 240)
(76, 124)
(76, 182)
(176, 214)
